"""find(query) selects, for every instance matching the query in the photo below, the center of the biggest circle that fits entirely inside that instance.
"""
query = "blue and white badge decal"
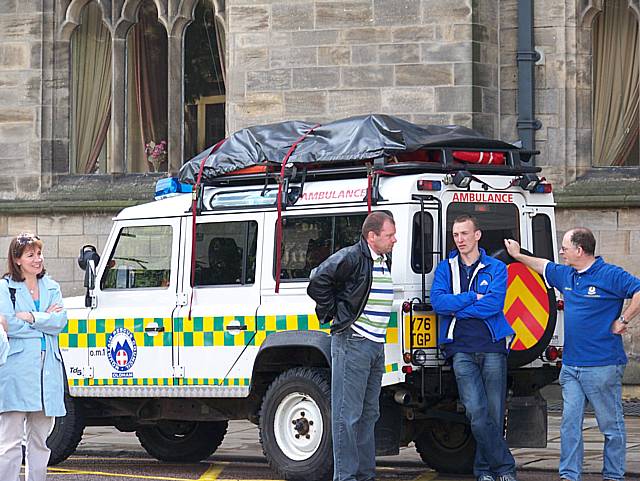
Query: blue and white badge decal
(122, 351)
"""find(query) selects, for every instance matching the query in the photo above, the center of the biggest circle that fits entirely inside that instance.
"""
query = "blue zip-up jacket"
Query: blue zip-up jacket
(489, 279)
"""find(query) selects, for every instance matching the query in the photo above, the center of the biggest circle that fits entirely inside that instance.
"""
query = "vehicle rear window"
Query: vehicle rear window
(416, 244)
(542, 239)
(497, 222)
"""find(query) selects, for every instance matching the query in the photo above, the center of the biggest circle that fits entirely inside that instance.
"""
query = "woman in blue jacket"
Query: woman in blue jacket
(4, 341)
(31, 380)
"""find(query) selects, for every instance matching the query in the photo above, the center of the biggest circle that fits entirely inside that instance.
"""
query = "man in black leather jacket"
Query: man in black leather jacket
(353, 290)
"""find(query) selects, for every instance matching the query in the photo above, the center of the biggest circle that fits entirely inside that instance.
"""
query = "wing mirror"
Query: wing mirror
(88, 262)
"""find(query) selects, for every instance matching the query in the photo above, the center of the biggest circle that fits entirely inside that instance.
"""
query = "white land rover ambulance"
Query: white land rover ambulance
(194, 317)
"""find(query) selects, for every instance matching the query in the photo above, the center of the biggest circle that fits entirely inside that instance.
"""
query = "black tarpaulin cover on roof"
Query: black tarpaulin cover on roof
(362, 137)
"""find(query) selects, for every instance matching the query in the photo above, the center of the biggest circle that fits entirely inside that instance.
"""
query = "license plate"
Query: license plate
(423, 333)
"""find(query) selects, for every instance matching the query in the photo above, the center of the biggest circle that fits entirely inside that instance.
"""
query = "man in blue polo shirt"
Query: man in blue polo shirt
(593, 361)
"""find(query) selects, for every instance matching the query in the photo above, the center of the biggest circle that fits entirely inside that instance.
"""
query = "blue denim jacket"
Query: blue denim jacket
(23, 387)
(490, 280)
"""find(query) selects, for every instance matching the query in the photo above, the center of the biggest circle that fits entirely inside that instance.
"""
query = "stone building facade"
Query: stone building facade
(430, 61)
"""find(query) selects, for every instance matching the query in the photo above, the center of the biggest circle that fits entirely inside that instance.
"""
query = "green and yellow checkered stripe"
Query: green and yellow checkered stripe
(391, 367)
(95, 332)
(196, 332)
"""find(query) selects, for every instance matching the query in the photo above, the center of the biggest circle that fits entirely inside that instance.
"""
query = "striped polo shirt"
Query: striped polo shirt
(374, 319)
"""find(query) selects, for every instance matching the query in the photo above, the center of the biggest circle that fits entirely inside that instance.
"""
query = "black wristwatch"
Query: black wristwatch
(623, 320)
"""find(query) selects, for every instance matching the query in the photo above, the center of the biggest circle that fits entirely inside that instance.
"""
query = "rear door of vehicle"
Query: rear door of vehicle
(528, 307)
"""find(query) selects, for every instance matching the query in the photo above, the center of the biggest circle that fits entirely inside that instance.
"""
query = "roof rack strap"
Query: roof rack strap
(194, 212)
(279, 201)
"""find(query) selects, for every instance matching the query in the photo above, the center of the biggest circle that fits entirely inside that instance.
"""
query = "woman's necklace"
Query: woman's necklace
(35, 288)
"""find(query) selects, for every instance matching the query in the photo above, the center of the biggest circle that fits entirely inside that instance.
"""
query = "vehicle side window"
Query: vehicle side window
(497, 222)
(542, 240)
(307, 241)
(140, 259)
(226, 253)
(416, 245)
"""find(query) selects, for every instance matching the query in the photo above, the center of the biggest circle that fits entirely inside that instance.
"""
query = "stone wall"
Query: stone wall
(21, 97)
(617, 233)
(428, 61)
(63, 236)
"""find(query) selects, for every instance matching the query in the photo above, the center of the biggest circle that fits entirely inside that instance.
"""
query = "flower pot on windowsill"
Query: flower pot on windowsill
(156, 164)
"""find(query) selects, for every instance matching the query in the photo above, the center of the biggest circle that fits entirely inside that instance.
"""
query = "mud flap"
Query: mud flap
(527, 422)
(388, 427)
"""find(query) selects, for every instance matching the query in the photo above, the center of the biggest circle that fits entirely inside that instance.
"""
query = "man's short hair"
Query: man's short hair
(466, 217)
(374, 222)
(583, 237)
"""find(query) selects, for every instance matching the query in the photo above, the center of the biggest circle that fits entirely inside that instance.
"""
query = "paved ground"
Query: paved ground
(241, 446)
(130, 469)
(105, 454)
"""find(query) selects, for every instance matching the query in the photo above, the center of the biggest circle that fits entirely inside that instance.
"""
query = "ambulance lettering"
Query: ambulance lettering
(483, 197)
(341, 194)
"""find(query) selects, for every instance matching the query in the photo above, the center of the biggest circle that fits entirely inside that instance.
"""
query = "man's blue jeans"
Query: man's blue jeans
(602, 387)
(356, 378)
(482, 385)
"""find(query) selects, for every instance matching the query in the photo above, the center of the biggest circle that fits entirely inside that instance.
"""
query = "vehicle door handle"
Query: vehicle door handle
(242, 327)
(154, 329)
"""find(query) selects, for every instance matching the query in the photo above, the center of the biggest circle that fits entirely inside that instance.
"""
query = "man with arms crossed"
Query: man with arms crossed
(593, 360)
(353, 289)
(468, 293)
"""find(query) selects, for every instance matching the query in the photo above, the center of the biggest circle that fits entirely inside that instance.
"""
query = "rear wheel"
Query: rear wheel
(295, 425)
(182, 441)
(67, 432)
(447, 447)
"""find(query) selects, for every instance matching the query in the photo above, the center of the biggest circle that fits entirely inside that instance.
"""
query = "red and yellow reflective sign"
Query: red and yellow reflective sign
(526, 306)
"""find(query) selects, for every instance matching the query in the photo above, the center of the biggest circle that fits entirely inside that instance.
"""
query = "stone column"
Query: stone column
(118, 156)
(175, 102)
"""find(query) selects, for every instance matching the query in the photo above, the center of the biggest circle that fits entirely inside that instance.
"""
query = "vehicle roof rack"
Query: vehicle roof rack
(513, 166)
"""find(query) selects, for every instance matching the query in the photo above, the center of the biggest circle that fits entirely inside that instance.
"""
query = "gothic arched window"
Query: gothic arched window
(90, 92)
(616, 83)
(147, 80)
(204, 80)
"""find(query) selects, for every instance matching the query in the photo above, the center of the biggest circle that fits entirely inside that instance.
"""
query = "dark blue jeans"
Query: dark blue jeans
(482, 384)
(356, 379)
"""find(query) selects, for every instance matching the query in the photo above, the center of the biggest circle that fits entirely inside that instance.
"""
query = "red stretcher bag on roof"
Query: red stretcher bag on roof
(479, 157)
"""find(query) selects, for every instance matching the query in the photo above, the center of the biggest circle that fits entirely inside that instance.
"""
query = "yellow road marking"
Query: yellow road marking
(427, 476)
(115, 475)
(212, 473)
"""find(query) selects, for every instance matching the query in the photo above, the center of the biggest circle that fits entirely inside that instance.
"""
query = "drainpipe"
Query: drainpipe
(526, 57)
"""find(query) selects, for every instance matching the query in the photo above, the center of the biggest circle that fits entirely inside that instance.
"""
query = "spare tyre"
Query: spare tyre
(530, 309)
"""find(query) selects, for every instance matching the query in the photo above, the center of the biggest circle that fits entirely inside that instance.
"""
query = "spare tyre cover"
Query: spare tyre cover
(530, 309)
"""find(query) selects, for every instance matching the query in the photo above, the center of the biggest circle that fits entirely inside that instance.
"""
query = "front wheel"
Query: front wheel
(182, 441)
(295, 425)
(447, 447)
(67, 432)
